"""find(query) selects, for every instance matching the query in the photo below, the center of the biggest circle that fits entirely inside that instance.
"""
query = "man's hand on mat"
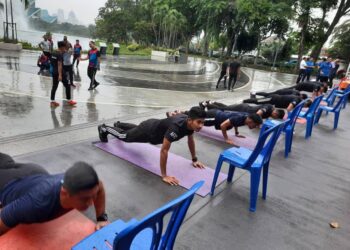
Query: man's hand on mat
(101, 224)
(171, 180)
(197, 164)
(240, 136)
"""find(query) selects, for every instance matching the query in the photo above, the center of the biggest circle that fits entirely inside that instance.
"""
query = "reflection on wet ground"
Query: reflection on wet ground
(129, 86)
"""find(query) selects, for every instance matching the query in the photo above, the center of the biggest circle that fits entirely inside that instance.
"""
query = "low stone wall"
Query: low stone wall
(159, 55)
(10, 46)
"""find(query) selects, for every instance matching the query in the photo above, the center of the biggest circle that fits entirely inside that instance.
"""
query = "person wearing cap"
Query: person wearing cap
(29, 194)
(160, 131)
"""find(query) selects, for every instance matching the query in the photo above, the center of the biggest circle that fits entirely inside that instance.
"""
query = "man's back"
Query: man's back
(31, 199)
(173, 128)
(234, 67)
(283, 101)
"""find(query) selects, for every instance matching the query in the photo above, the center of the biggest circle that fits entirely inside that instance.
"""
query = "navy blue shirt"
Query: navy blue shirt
(236, 118)
(31, 199)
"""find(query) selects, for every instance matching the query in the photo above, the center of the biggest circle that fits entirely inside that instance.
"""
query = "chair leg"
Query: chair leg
(336, 119)
(288, 142)
(254, 187)
(265, 179)
(216, 175)
(318, 115)
(231, 171)
(309, 122)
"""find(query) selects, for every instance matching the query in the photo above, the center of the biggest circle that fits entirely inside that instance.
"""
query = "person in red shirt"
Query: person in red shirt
(94, 58)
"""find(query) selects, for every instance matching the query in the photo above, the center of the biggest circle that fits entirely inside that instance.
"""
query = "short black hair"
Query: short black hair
(61, 44)
(308, 103)
(80, 177)
(280, 113)
(93, 42)
(196, 113)
(304, 96)
(325, 89)
(256, 118)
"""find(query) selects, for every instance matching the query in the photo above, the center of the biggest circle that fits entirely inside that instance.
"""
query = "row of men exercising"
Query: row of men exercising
(223, 117)
(29, 194)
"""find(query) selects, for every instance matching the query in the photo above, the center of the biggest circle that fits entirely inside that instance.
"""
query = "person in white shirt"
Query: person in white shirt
(302, 69)
(45, 46)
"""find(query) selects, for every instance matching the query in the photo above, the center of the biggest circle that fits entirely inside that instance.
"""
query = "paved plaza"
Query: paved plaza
(305, 192)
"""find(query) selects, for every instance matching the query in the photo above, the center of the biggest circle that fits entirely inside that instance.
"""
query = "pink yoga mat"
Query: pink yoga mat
(146, 156)
(212, 133)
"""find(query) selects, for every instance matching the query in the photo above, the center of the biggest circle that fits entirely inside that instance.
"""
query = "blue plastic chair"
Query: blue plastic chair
(340, 93)
(329, 99)
(251, 160)
(289, 128)
(144, 234)
(336, 110)
(309, 115)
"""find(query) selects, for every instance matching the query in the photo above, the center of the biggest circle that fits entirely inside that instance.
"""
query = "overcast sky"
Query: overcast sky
(85, 10)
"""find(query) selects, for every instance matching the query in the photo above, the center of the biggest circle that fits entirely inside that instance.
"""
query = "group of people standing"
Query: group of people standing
(231, 69)
(60, 64)
(327, 69)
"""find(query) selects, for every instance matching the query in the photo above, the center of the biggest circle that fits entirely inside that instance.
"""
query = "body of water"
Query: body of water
(35, 37)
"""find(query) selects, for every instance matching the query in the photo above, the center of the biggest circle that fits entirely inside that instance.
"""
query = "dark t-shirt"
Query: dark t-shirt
(283, 101)
(234, 66)
(308, 86)
(31, 199)
(224, 66)
(236, 118)
(287, 92)
(172, 128)
(245, 107)
(54, 59)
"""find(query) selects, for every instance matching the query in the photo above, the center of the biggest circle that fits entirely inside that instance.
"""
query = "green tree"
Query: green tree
(341, 42)
(343, 8)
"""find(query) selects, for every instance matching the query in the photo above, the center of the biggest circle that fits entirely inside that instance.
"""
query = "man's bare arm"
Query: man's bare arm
(163, 163)
(192, 148)
(100, 205)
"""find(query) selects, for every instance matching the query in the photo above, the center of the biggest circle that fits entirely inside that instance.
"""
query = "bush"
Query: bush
(133, 47)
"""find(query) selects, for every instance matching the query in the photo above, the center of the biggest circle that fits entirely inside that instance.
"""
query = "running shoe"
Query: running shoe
(102, 133)
(90, 88)
(54, 104)
(71, 102)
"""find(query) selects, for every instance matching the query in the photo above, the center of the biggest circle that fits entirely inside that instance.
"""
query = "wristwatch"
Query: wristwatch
(194, 159)
(102, 217)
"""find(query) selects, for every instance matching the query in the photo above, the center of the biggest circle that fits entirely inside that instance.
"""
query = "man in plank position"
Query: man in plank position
(280, 101)
(226, 120)
(160, 131)
(264, 110)
(29, 194)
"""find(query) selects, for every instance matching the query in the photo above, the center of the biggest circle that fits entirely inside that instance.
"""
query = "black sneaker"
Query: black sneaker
(91, 88)
(102, 133)
(201, 105)
(116, 124)
(96, 84)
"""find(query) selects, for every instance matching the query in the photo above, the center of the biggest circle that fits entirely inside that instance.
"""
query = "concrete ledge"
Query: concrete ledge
(11, 46)
(159, 55)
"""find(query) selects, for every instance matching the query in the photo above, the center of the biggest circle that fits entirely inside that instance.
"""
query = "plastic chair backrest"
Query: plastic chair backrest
(154, 221)
(331, 94)
(293, 116)
(341, 100)
(313, 107)
(265, 148)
